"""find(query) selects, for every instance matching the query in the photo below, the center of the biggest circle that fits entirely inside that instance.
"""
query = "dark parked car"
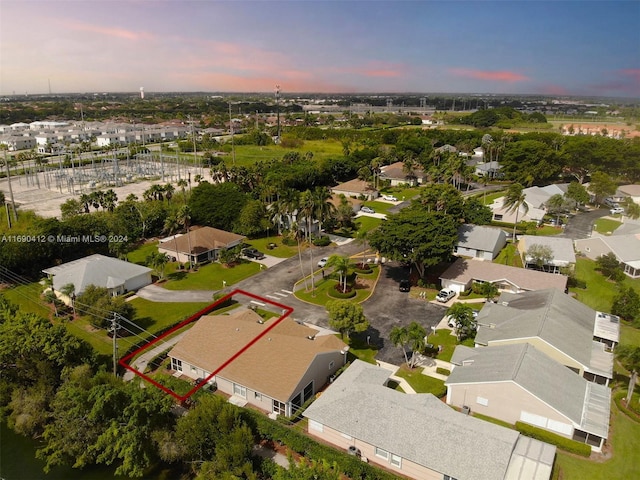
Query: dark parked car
(405, 286)
(253, 253)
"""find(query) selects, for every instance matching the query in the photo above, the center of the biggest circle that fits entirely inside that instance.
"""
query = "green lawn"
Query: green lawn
(625, 442)
(211, 276)
(359, 349)
(27, 297)
(606, 225)
(422, 383)
(366, 224)
(600, 292)
(490, 197)
(379, 207)
(509, 256)
(140, 254)
(448, 342)
(402, 194)
(281, 250)
(548, 231)
(320, 295)
(249, 154)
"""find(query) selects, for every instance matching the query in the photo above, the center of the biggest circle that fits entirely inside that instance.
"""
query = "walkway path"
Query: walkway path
(401, 381)
(143, 360)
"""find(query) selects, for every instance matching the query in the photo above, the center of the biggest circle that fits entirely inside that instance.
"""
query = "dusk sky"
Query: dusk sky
(547, 47)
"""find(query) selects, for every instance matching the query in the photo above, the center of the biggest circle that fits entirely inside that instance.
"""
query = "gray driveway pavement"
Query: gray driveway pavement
(155, 293)
(581, 225)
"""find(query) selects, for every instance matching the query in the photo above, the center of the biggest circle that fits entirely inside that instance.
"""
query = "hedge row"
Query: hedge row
(336, 294)
(443, 371)
(349, 465)
(566, 444)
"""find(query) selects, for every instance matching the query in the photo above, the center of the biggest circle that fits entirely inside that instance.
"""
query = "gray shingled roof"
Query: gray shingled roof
(558, 319)
(419, 428)
(544, 378)
(562, 248)
(480, 237)
(96, 270)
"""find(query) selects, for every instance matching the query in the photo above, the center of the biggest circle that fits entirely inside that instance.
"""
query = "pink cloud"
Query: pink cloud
(625, 81)
(553, 90)
(375, 69)
(111, 32)
(494, 75)
(634, 73)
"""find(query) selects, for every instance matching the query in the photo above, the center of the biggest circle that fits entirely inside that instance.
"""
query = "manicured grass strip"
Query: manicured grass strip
(422, 383)
(359, 349)
(509, 256)
(28, 298)
(366, 224)
(211, 276)
(281, 250)
(140, 254)
(606, 225)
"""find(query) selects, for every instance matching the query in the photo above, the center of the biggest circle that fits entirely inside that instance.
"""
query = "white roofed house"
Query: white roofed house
(562, 253)
(519, 383)
(418, 436)
(480, 242)
(116, 275)
(560, 326)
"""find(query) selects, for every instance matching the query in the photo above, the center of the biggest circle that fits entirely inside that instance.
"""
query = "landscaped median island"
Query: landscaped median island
(340, 279)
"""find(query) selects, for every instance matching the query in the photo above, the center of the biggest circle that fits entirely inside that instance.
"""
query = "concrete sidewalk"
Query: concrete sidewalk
(143, 360)
(155, 293)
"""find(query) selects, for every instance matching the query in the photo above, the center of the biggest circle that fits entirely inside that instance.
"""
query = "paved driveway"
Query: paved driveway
(581, 225)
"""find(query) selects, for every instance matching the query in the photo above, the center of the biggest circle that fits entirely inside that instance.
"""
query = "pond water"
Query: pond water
(18, 462)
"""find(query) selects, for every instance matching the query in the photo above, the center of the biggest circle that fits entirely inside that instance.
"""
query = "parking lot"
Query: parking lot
(386, 308)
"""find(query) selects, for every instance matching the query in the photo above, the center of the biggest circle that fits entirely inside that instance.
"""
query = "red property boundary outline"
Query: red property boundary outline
(196, 316)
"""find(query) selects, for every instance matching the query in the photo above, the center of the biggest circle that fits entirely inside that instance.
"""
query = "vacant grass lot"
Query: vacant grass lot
(211, 276)
(249, 154)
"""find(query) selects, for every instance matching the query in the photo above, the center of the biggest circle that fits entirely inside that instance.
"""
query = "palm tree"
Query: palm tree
(69, 289)
(307, 210)
(341, 265)
(323, 208)
(109, 200)
(157, 261)
(49, 294)
(632, 209)
(362, 236)
(399, 336)
(184, 216)
(182, 183)
(513, 200)
(168, 191)
(171, 226)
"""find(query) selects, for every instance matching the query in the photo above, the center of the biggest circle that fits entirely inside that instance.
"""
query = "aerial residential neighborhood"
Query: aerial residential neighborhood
(319, 240)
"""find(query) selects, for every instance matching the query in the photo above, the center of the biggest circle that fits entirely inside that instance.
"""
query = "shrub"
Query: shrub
(335, 293)
(443, 371)
(322, 241)
(563, 443)
(361, 268)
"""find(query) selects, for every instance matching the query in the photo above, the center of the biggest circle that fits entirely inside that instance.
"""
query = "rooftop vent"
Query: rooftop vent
(311, 337)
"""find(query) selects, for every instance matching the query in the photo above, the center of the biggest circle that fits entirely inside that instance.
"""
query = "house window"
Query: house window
(497, 217)
(482, 401)
(239, 390)
(382, 453)
(331, 364)
(176, 364)
(257, 395)
(308, 391)
(396, 461)
(279, 407)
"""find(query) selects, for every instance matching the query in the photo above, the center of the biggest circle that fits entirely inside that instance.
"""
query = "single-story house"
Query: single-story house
(356, 188)
(278, 373)
(116, 275)
(199, 245)
(520, 383)
(397, 175)
(488, 169)
(418, 436)
(535, 199)
(480, 242)
(336, 201)
(565, 329)
(461, 275)
(625, 192)
(626, 248)
(563, 255)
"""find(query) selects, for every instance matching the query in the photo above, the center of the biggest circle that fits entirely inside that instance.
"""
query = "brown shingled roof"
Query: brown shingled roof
(274, 365)
(202, 240)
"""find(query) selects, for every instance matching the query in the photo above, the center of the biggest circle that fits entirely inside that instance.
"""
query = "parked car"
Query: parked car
(405, 286)
(366, 209)
(616, 210)
(610, 202)
(322, 262)
(253, 253)
(389, 198)
(445, 295)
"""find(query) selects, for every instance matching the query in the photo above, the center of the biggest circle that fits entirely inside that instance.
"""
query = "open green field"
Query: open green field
(249, 154)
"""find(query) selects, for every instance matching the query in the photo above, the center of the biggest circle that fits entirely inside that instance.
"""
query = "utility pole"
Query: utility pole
(13, 203)
(278, 111)
(233, 147)
(114, 328)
